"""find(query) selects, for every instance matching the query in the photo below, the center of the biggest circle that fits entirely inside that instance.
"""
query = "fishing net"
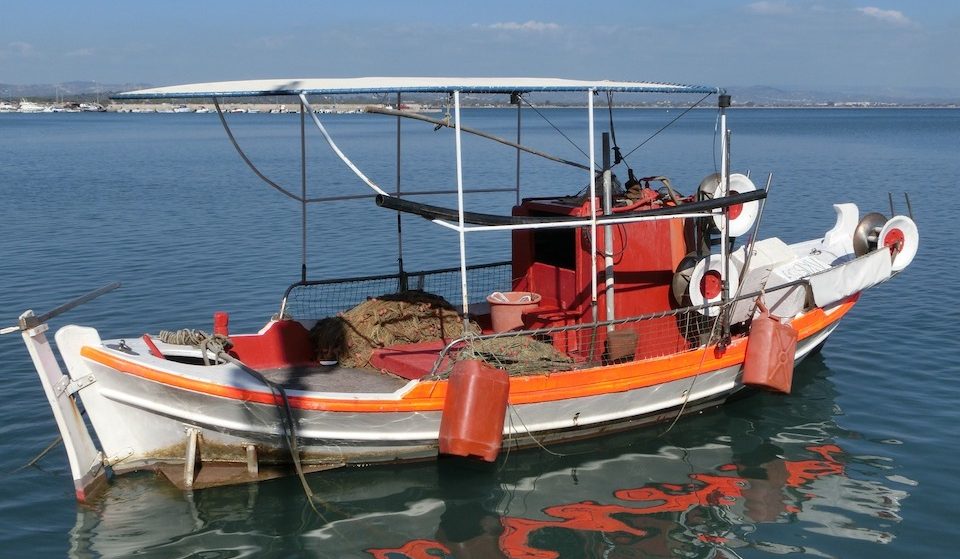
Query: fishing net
(517, 354)
(400, 318)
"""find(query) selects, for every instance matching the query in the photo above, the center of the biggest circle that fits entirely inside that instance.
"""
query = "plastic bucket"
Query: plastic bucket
(507, 308)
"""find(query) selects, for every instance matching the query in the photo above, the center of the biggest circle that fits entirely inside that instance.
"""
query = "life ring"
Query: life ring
(742, 216)
(901, 235)
(706, 283)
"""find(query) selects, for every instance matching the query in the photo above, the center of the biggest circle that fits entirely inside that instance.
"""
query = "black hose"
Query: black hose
(437, 212)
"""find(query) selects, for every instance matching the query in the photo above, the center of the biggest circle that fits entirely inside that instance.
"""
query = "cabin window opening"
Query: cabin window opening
(556, 247)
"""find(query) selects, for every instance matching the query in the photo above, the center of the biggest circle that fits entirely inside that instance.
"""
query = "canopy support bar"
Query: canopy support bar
(520, 112)
(475, 132)
(336, 149)
(593, 210)
(463, 238)
(303, 191)
(402, 276)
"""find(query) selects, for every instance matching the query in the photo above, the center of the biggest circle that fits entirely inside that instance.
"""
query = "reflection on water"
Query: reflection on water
(761, 475)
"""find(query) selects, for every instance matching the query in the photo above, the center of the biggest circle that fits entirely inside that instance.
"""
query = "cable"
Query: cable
(667, 125)
(554, 126)
(256, 171)
(617, 158)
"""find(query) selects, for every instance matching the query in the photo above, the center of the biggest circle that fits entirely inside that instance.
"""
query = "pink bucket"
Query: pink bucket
(507, 308)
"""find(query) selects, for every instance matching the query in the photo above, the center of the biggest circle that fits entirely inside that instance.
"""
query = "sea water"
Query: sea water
(856, 462)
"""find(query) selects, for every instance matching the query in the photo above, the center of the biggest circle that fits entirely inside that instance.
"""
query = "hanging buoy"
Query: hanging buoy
(742, 216)
(901, 235)
(706, 283)
(474, 410)
(771, 351)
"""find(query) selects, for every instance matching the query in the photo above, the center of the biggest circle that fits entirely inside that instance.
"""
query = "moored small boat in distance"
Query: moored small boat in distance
(618, 305)
(30, 107)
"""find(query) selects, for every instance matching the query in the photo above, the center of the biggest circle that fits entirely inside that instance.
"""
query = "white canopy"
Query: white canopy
(256, 88)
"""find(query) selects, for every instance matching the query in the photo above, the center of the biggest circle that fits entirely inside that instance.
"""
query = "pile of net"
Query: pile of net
(400, 318)
(517, 354)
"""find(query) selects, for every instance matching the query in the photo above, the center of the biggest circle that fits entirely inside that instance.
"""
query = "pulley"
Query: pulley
(681, 279)
(901, 235)
(741, 216)
(706, 283)
(867, 233)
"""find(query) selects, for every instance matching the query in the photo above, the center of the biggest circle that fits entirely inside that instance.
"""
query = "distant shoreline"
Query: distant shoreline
(348, 108)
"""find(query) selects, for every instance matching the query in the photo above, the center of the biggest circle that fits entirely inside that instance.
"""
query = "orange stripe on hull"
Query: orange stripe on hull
(429, 395)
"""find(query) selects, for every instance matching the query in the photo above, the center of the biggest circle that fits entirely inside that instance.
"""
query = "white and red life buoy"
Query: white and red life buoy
(742, 216)
(901, 235)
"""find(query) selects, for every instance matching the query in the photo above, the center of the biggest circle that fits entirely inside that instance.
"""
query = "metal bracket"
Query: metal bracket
(81, 383)
(71, 387)
(117, 458)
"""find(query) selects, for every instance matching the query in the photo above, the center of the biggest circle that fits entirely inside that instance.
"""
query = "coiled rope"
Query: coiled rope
(216, 344)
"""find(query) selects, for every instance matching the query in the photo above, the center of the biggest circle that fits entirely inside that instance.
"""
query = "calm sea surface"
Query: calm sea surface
(860, 461)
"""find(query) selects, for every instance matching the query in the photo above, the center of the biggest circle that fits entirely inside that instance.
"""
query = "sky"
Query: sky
(800, 44)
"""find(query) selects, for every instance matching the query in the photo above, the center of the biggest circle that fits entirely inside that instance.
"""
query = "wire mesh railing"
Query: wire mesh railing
(315, 299)
(578, 345)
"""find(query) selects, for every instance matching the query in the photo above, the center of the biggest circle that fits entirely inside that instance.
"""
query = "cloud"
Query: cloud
(527, 27)
(767, 7)
(82, 52)
(20, 49)
(889, 16)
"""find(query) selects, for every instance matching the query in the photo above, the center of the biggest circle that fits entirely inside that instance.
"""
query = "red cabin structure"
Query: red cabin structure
(555, 263)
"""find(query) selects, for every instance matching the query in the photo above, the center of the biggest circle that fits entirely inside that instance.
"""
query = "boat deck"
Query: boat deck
(334, 379)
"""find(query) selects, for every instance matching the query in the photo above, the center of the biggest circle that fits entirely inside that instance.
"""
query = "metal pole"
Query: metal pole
(463, 247)
(303, 193)
(519, 112)
(593, 210)
(608, 231)
(724, 190)
(401, 274)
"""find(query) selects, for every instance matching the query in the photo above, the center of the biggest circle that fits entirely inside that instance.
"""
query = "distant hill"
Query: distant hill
(754, 95)
(68, 91)
(771, 96)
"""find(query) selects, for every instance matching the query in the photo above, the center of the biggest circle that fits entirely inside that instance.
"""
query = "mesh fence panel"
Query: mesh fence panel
(318, 299)
(577, 346)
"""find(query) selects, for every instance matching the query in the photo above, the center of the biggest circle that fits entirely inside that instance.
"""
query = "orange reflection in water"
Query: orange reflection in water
(763, 500)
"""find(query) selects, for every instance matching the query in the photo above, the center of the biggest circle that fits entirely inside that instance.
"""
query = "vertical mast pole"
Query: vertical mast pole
(608, 231)
(401, 274)
(516, 97)
(593, 209)
(724, 190)
(303, 193)
(463, 248)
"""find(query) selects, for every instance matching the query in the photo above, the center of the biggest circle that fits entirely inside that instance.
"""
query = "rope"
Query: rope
(693, 382)
(53, 444)
(514, 411)
(218, 345)
(215, 344)
(617, 157)
(223, 121)
(667, 125)
(554, 126)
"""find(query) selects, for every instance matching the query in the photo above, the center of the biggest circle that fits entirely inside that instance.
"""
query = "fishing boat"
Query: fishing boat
(30, 107)
(620, 304)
